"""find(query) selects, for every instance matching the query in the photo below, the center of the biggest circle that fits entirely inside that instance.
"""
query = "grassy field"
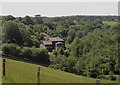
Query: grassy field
(112, 23)
(0, 70)
(21, 72)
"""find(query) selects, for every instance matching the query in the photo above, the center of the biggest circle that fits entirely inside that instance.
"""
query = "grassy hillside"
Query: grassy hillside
(112, 23)
(21, 72)
(0, 70)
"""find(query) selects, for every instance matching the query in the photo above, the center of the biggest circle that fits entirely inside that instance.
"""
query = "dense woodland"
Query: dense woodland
(91, 43)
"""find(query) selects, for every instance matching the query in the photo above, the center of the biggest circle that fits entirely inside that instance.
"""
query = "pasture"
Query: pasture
(21, 72)
(0, 70)
(112, 23)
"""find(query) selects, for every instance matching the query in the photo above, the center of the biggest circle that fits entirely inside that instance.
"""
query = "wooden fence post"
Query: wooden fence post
(38, 75)
(3, 67)
(97, 81)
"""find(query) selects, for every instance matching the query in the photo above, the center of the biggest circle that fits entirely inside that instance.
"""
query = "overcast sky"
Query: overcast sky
(59, 0)
(60, 8)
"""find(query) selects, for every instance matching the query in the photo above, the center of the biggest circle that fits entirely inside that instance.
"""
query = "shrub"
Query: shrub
(11, 49)
(34, 54)
(40, 54)
(26, 52)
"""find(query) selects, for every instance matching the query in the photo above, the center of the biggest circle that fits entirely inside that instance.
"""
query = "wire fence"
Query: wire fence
(0, 70)
(21, 72)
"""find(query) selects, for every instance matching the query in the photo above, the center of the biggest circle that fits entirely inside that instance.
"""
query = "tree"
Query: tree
(38, 19)
(27, 20)
(26, 34)
(70, 64)
(19, 19)
(69, 40)
(71, 34)
(75, 47)
(9, 17)
(50, 25)
(12, 33)
(98, 21)
(79, 34)
(38, 28)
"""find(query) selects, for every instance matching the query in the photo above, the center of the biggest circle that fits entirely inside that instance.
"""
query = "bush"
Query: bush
(34, 54)
(11, 49)
(108, 77)
(40, 54)
(111, 76)
(26, 52)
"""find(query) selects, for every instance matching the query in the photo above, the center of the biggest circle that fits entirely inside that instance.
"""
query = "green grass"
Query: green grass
(0, 70)
(21, 72)
(112, 23)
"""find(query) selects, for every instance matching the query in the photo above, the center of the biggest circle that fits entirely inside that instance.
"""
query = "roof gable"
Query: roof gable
(47, 42)
(55, 39)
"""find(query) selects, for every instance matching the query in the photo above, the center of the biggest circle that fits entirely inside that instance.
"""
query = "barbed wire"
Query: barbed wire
(51, 70)
(23, 64)
(66, 74)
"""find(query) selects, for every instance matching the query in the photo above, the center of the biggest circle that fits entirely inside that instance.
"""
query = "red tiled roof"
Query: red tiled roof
(47, 42)
(55, 39)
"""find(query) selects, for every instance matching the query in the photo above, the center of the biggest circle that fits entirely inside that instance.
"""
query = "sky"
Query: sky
(60, 0)
(59, 8)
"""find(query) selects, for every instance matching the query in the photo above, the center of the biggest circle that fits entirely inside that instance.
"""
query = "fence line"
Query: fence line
(74, 75)
(31, 66)
(51, 71)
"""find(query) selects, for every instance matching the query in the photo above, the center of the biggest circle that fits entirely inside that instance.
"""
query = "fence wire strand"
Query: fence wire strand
(35, 67)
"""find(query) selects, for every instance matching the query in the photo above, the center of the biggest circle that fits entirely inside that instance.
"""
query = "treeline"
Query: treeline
(85, 18)
(38, 55)
(91, 45)
(31, 30)
(56, 19)
(95, 55)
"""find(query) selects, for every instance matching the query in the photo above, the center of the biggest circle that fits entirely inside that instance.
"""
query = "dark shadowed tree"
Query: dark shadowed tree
(11, 33)
(27, 20)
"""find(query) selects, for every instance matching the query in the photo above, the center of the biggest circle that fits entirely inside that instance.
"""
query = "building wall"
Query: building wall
(53, 46)
(54, 42)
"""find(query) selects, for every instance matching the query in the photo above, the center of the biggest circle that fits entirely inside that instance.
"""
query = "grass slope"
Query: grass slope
(21, 72)
(0, 70)
(112, 23)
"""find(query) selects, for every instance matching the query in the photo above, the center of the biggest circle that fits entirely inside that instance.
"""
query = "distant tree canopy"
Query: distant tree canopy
(27, 20)
(38, 19)
(7, 18)
(91, 42)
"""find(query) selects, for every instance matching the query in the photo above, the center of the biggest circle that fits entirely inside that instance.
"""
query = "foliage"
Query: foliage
(8, 17)
(34, 54)
(28, 21)
(91, 42)
(12, 33)
(11, 49)
(21, 72)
